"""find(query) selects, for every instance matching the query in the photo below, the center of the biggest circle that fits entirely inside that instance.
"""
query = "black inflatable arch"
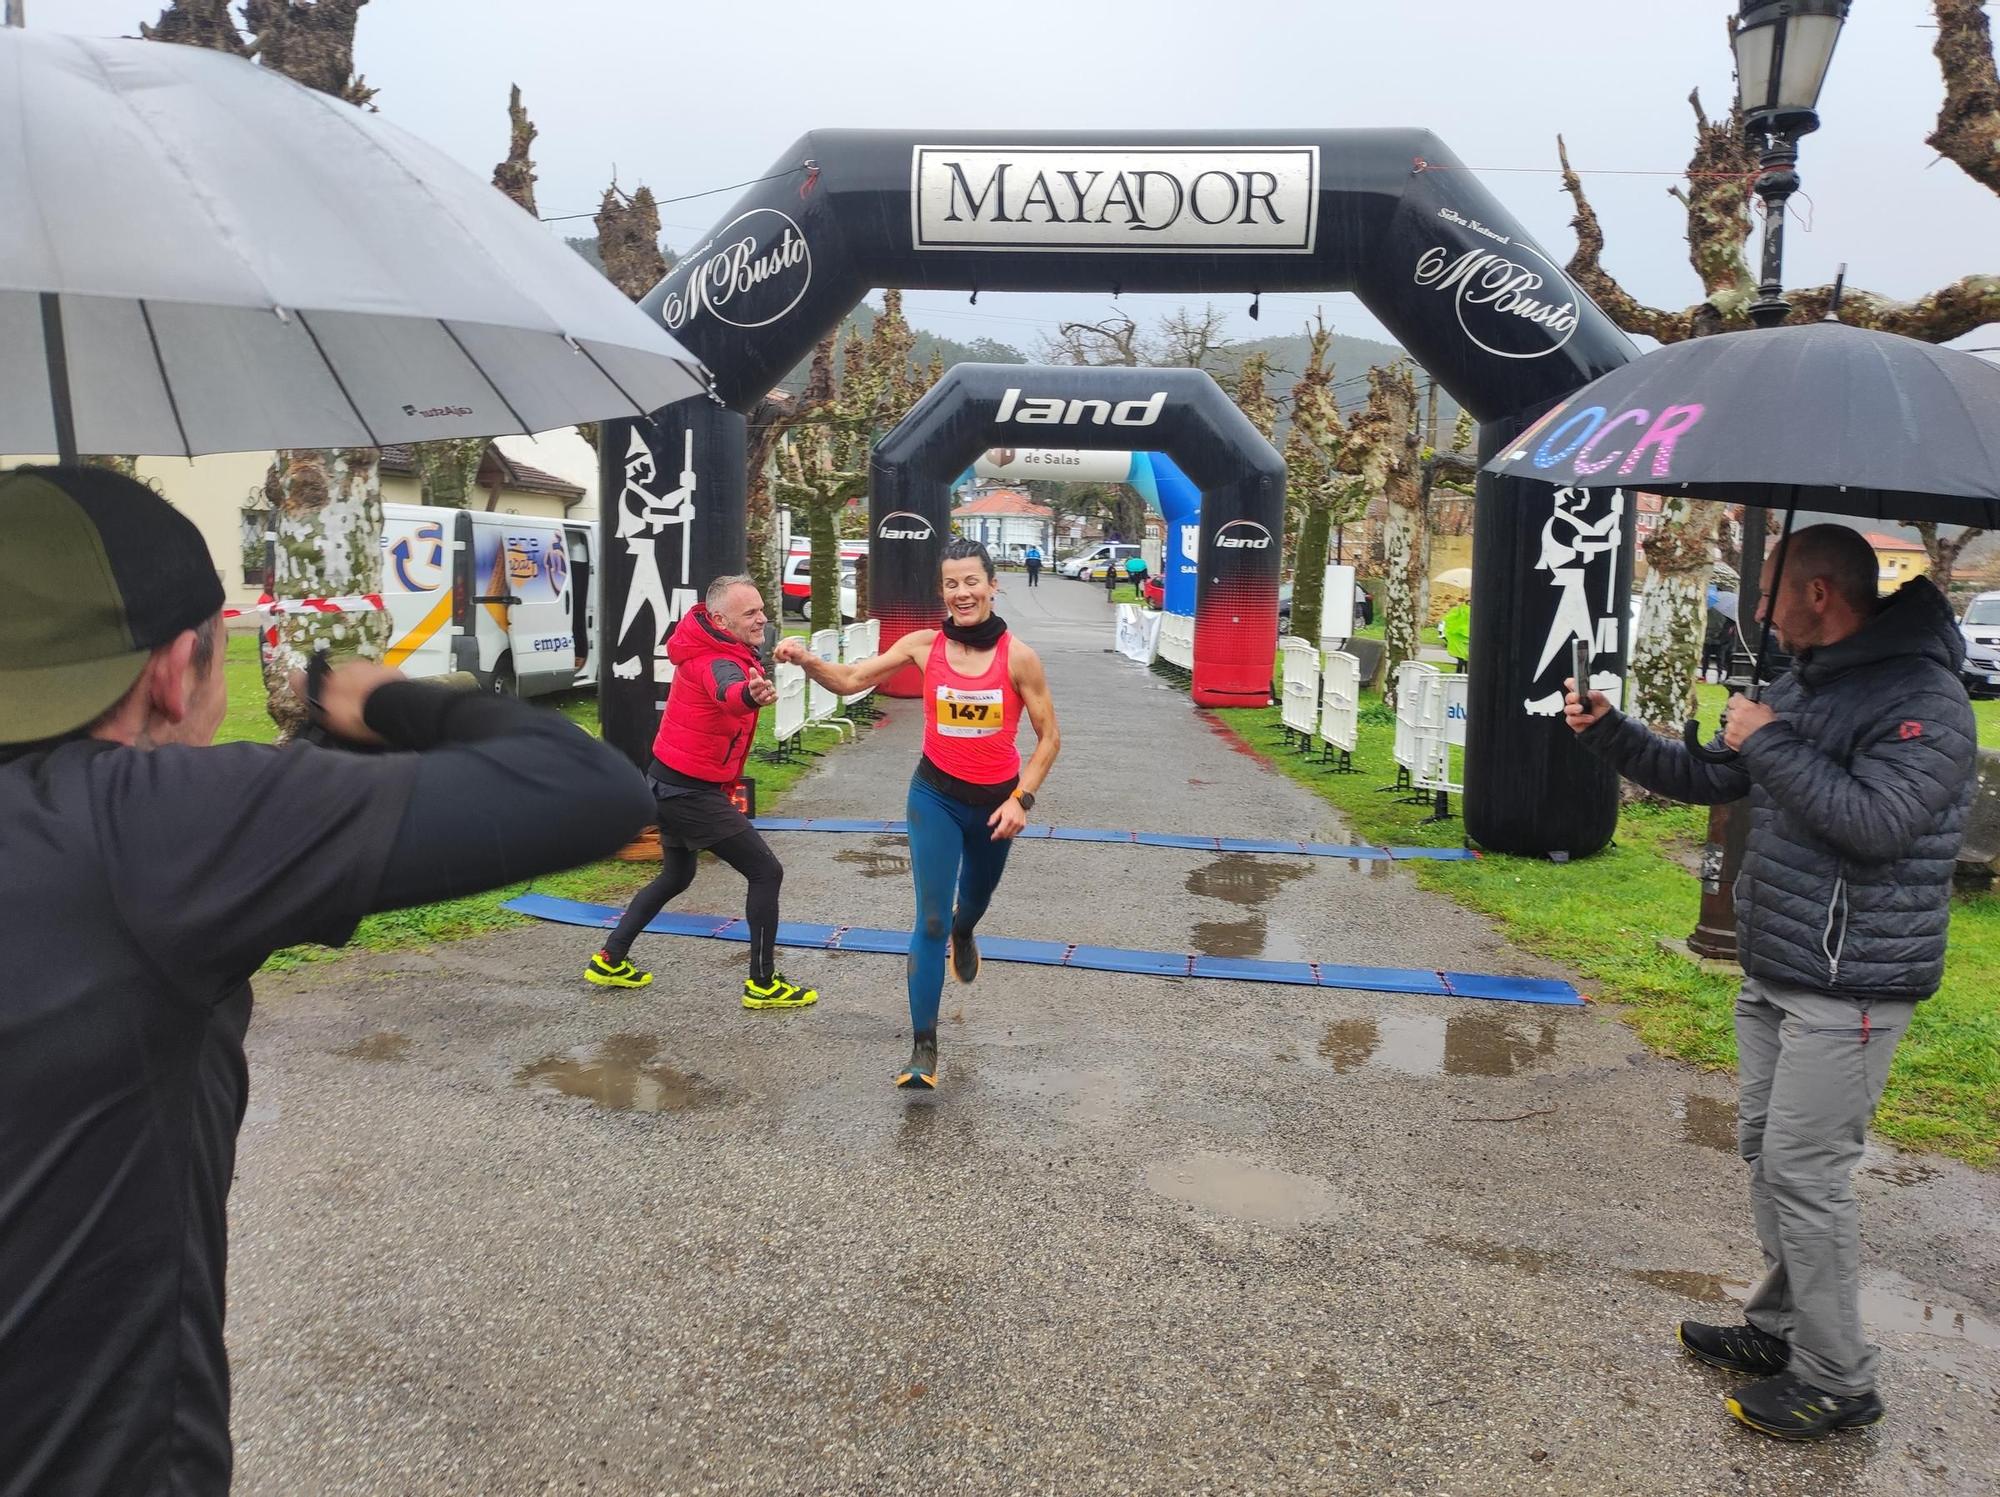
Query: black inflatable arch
(1181, 412)
(1388, 214)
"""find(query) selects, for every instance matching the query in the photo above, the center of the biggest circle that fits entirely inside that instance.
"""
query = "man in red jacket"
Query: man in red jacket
(705, 735)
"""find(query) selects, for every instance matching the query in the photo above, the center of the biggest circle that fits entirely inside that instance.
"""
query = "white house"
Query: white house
(1007, 521)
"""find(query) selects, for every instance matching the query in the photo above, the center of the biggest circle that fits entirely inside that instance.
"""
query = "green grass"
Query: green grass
(608, 882)
(1604, 916)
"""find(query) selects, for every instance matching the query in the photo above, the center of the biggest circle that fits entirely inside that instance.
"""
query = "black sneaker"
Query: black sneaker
(1789, 1409)
(964, 956)
(922, 1071)
(1736, 1348)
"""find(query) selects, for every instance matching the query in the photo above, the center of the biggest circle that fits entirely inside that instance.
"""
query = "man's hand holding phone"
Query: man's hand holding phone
(1582, 708)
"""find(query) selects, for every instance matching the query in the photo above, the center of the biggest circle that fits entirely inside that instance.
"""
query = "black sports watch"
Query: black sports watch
(1026, 798)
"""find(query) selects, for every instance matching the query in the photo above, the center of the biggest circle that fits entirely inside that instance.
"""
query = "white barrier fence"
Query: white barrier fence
(1298, 700)
(1439, 736)
(789, 714)
(1177, 641)
(860, 641)
(823, 703)
(1339, 707)
(1409, 694)
(1135, 633)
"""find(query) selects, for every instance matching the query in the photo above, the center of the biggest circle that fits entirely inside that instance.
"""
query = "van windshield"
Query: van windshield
(1983, 611)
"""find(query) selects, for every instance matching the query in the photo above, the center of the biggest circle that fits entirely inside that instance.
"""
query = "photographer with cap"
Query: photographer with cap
(144, 877)
(1859, 765)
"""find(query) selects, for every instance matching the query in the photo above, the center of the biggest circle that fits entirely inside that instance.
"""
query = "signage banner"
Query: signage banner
(1138, 633)
(1188, 199)
(1019, 464)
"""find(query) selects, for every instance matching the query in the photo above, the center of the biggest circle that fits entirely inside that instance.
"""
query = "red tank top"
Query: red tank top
(970, 721)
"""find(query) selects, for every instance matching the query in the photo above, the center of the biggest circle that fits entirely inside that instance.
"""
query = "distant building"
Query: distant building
(1007, 522)
(1899, 560)
(223, 493)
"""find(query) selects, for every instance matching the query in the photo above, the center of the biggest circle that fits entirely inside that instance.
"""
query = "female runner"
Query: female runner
(971, 794)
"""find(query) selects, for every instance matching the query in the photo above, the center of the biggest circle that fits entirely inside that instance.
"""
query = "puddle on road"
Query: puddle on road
(875, 864)
(1881, 1309)
(1505, 1255)
(621, 1075)
(384, 1044)
(1902, 1171)
(1707, 1121)
(1708, 1288)
(1244, 879)
(1475, 1044)
(1228, 1185)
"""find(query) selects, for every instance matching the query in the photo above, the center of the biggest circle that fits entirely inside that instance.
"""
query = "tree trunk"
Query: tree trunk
(1406, 578)
(823, 526)
(1673, 613)
(448, 469)
(327, 513)
(760, 539)
(1309, 574)
(1944, 552)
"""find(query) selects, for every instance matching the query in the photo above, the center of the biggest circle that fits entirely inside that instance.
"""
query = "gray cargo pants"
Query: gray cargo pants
(1811, 1069)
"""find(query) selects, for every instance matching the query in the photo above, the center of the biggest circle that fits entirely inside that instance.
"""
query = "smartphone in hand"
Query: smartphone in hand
(1579, 669)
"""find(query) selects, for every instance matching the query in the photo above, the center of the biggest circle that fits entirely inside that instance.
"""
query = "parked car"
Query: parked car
(1089, 565)
(1981, 628)
(1154, 590)
(796, 584)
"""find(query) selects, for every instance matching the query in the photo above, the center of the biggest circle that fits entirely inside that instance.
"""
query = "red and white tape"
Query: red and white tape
(269, 607)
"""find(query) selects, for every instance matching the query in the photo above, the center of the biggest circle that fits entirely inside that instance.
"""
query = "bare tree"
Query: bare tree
(1323, 481)
(628, 240)
(1384, 432)
(1112, 341)
(1189, 340)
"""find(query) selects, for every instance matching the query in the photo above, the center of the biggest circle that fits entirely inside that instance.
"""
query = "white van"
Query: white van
(1089, 565)
(486, 593)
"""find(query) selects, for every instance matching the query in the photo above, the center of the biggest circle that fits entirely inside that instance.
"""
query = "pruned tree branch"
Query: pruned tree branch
(1968, 126)
(1586, 268)
(515, 175)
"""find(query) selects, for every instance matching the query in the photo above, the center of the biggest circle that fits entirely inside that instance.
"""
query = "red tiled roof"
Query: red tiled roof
(1880, 542)
(1005, 502)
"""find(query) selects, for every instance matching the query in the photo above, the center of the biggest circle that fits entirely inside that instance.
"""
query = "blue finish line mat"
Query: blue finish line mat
(1091, 958)
(1140, 839)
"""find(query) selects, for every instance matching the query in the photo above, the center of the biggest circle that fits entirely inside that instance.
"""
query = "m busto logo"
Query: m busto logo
(903, 525)
(1510, 299)
(755, 270)
(1176, 199)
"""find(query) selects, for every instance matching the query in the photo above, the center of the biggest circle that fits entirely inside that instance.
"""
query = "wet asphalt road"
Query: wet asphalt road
(495, 1232)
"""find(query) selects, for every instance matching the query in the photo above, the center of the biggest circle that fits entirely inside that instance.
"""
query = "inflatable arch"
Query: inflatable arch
(1388, 214)
(977, 406)
(1163, 486)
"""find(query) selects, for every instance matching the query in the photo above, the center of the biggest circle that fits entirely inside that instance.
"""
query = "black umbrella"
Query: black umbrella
(1821, 417)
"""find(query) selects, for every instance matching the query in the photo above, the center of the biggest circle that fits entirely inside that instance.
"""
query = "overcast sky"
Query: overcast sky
(685, 97)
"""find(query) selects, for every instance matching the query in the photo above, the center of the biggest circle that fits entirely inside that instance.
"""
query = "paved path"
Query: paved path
(1152, 1236)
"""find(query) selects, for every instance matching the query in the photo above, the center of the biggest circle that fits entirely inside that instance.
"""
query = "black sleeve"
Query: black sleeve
(730, 685)
(502, 792)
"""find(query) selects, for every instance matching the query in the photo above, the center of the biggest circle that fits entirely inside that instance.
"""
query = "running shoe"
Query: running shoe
(607, 973)
(1735, 1348)
(922, 1072)
(1789, 1409)
(777, 993)
(964, 956)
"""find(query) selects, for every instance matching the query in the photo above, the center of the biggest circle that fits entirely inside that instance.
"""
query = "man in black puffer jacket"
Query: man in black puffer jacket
(1860, 768)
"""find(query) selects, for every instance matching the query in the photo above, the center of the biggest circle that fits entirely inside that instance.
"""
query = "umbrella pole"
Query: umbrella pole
(56, 354)
(1717, 752)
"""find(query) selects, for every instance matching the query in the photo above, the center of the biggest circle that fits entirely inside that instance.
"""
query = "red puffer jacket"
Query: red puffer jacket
(710, 720)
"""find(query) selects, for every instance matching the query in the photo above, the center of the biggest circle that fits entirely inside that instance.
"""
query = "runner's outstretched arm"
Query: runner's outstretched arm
(850, 680)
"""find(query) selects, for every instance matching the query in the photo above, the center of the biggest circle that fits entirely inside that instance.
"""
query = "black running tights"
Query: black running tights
(749, 855)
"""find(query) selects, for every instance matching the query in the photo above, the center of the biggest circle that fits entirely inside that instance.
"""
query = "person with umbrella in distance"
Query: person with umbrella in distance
(1859, 765)
(971, 793)
(705, 735)
(145, 875)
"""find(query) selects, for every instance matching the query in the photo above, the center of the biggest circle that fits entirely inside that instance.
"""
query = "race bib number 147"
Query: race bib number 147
(969, 714)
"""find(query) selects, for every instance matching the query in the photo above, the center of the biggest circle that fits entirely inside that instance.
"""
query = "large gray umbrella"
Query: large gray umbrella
(199, 255)
(1819, 417)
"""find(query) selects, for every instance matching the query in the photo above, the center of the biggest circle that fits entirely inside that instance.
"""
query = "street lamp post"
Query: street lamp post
(1783, 48)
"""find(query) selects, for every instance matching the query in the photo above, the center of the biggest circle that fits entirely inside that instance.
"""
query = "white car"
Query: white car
(1981, 630)
(795, 586)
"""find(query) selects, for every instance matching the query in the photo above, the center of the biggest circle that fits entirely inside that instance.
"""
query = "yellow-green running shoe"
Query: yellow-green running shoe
(777, 993)
(607, 973)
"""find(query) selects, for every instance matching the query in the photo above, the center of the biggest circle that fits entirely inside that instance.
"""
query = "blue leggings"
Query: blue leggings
(950, 845)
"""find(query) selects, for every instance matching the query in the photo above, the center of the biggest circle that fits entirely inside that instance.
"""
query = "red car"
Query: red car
(1154, 591)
